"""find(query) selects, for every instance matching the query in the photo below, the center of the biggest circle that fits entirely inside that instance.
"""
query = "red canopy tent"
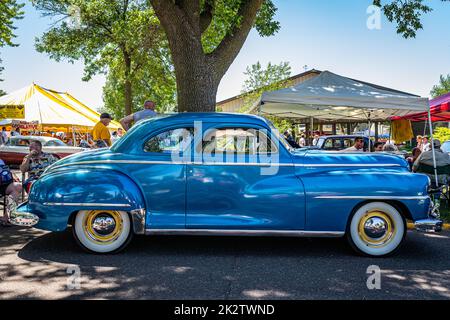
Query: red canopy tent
(439, 110)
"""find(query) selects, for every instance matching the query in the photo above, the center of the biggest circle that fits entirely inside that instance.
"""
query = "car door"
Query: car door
(240, 182)
(160, 171)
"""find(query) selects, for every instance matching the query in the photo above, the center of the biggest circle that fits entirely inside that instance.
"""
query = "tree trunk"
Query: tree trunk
(128, 98)
(196, 93)
(197, 82)
(127, 85)
(198, 73)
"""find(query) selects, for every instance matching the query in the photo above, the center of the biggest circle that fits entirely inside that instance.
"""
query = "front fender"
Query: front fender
(55, 196)
(333, 193)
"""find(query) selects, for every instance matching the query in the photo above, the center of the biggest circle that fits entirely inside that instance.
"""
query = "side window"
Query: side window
(238, 141)
(22, 143)
(51, 144)
(176, 140)
(328, 144)
(349, 143)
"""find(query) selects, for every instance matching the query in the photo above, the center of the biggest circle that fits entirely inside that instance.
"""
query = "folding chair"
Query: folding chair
(427, 169)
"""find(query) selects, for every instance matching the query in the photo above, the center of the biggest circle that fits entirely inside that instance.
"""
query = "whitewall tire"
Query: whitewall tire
(376, 229)
(102, 231)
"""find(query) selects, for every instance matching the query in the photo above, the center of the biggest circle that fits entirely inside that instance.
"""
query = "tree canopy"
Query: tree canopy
(173, 51)
(120, 38)
(10, 11)
(205, 37)
(259, 79)
(406, 14)
(442, 87)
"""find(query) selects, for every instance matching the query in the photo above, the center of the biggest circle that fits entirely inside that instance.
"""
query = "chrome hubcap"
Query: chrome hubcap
(375, 227)
(104, 224)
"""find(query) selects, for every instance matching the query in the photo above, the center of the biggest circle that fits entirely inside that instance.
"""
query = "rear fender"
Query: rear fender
(57, 195)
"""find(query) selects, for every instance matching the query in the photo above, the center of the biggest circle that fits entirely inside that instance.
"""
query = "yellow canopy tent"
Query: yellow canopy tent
(55, 111)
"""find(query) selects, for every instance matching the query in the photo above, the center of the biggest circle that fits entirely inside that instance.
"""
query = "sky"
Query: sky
(321, 34)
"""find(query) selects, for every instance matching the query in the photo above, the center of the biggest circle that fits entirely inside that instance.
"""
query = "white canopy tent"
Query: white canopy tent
(333, 98)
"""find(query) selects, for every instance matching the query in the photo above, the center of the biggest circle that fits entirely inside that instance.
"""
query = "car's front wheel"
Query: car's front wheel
(102, 231)
(376, 229)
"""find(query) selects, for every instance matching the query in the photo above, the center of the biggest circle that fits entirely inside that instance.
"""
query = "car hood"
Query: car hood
(324, 158)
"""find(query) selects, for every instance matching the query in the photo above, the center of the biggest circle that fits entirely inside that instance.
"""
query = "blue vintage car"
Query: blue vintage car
(227, 174)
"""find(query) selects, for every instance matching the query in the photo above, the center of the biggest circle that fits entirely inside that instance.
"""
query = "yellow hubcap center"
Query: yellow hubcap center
(103, 227)
(376, 229)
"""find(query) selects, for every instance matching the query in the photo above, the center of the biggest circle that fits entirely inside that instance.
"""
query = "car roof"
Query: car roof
(214, 116)
(344, 136)
(143, 127)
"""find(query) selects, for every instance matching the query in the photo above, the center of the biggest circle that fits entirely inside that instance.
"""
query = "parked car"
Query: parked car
(233, 175)
(17, 147)
(341, 142)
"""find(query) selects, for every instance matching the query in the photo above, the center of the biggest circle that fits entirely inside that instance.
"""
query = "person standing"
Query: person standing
(358, 146)
(378, 146)
(148, 112)
(302, 141)
(426, 146)
(4, 136)
(419, 140)
(100, 133)
(315, 139)
(114, 137)
(15, 132)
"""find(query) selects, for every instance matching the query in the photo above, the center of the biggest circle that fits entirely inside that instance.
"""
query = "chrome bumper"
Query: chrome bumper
(428, 225)
(21, 217)
(432, 223)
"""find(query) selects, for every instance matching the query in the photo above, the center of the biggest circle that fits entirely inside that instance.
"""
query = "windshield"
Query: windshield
(320, 143)
(280, 137)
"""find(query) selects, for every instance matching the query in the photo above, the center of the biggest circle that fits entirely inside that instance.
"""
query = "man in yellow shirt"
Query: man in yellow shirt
(100, 133)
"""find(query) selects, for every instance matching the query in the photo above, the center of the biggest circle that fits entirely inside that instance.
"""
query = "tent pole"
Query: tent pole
(311, 131)
(74, 141)
(432, 148)
(370, 124)
(390, 130)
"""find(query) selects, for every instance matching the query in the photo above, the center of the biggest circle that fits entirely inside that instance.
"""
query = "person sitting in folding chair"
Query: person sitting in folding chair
(35, 164)
(424, 164)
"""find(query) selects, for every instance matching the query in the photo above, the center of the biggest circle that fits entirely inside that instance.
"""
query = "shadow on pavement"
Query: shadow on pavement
(221, 268)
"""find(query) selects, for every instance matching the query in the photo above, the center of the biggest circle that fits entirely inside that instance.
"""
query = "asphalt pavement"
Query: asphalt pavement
(42, 265)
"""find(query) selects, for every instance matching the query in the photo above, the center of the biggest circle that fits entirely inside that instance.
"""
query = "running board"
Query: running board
(238, 233)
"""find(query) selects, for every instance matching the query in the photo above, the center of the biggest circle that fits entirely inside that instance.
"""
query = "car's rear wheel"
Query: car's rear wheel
(376, 229)
(102, 231)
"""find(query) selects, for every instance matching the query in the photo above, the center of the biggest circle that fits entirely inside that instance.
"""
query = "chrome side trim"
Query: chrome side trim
(172, 162)
(219, 232)
(311, 165)
(351, 165)
(375, 197)
(66, 204)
